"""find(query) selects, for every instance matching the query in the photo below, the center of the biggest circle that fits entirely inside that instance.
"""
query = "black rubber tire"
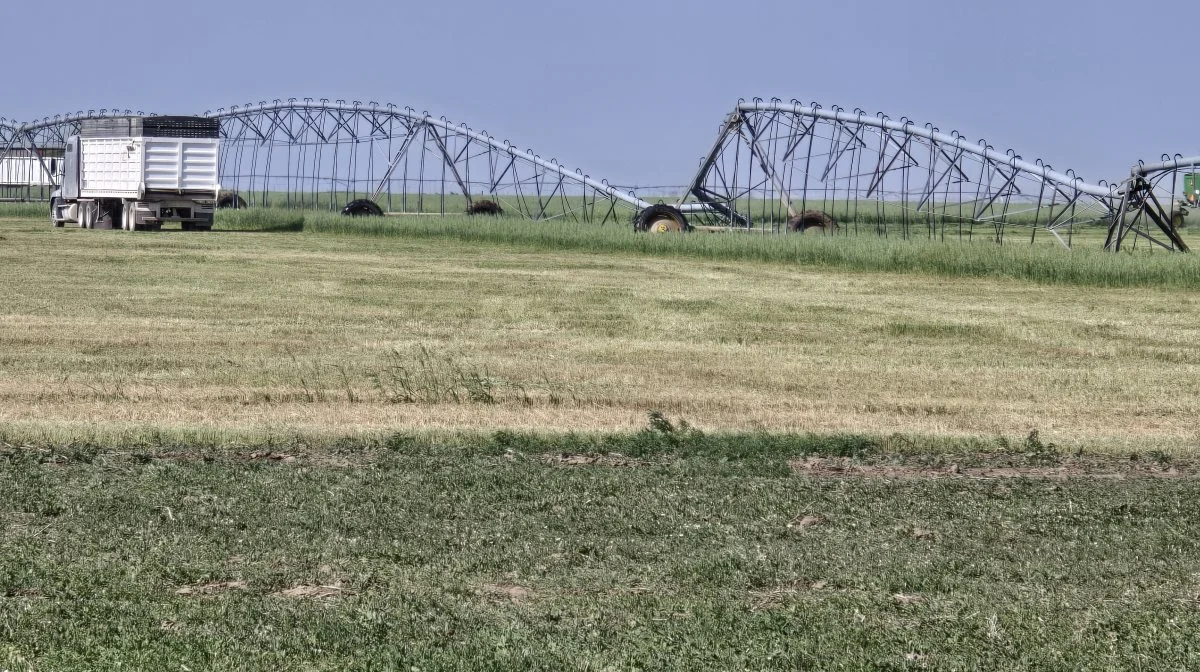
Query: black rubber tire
(362, 208)
(86, 213)
(54, 211)
(485, 207)
(814, 220)
(129, 216)
(231, 201)
(662, 218)
(116, 215)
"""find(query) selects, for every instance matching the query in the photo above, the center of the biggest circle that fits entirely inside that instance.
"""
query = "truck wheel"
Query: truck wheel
(362, 208)
(54, 214)
(88, 213)
(128, 221)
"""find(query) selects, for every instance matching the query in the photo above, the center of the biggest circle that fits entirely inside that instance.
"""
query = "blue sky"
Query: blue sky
(634, 91)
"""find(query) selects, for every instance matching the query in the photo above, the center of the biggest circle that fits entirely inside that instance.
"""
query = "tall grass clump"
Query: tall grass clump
(1088, 266)
(261, 220)
(30, 209)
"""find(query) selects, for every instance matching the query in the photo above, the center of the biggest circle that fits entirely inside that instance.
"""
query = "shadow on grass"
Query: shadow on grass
(292, 227)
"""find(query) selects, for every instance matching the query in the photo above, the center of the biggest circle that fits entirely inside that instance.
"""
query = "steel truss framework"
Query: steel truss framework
(29, 151)
(773, 161)
(323, 154)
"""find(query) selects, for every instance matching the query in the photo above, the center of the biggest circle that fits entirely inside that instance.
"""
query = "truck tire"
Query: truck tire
(661, 218)
(128, 221)
(58, 224)
(362, 208)
(89, 212)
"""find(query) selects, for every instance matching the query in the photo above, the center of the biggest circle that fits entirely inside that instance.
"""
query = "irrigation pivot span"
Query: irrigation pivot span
(772, 161)
(30, 151)
(326, 154)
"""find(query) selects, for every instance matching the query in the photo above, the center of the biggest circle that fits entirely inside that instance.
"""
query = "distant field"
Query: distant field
(1021, 224)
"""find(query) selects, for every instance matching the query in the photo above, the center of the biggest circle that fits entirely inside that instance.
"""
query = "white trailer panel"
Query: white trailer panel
(110, 167)
(130, 167)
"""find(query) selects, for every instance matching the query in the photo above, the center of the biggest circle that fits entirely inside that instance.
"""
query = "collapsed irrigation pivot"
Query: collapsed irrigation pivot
(775, 166)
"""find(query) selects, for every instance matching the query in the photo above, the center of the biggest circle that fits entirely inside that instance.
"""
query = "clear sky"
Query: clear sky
(634, 90)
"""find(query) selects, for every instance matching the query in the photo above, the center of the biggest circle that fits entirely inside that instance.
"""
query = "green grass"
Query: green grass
(498, 552)
(31, 209)
(1048, 264)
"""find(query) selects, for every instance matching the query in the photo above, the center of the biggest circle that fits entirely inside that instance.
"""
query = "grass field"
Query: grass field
(306, 442)
(492, 554)
(554, 329)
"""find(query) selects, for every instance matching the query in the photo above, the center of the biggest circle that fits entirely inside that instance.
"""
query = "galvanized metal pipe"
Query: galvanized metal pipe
(1174, 164)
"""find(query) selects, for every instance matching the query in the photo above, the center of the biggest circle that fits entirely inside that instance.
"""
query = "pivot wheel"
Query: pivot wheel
(812, 221)
(231, 200)
(362, 208)
(661, 218)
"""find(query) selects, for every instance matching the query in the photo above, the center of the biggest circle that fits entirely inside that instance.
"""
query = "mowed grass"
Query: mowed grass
(504, 552)
(486, 325)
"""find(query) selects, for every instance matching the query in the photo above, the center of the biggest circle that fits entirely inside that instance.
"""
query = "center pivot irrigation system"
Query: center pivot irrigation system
(774, 163)
(775, 166)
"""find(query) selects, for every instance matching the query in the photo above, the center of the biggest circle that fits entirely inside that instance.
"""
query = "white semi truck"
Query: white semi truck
(138, 173)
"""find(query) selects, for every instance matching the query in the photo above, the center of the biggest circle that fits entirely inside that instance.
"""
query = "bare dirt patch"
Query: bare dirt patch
(922, 533)
(271, 456)
(763, 600)
(210, 589)
(313, 592)
(315, 458)
(806, 521)
(592, 460)
(506, 591)
(989, 467)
